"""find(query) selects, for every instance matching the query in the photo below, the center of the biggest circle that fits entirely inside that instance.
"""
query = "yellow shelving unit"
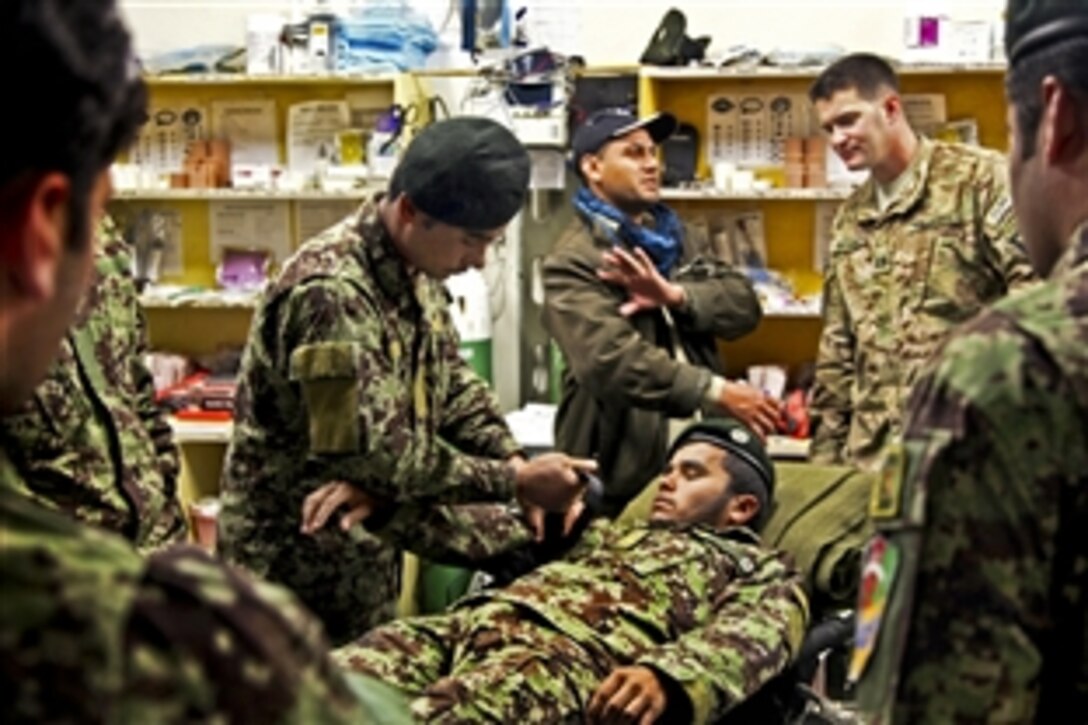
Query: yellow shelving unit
(971, 91)
(196, 327)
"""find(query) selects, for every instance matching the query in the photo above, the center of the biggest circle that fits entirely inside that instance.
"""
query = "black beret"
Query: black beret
(1032, 24)
(736, 438)
(467, 172)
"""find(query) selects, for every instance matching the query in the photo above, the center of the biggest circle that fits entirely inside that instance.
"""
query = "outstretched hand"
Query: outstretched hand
(646, 287)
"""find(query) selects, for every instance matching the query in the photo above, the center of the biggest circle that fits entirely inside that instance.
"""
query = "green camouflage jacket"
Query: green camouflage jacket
(987, 531)
(898, 282)
(713, 610)
(91, 441)
(92, 632)
(352, 373)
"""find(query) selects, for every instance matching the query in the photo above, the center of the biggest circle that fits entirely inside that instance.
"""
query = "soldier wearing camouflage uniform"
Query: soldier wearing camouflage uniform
(923, 245)
(352, 375)
(682, 617)
(984, 510)
(91, 631)
(92, 441)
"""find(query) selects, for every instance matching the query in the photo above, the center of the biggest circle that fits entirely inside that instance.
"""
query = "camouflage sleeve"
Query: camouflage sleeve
(755, 631)
(997, 447)
(171, 526)
(207, 643)
(471, 419)
(720, 300)
(465, 535)
(830, 408)
(116, 266)
(331, 342)
(1004, 247)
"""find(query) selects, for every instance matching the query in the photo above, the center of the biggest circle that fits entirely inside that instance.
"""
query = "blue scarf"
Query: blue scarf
(661, 243)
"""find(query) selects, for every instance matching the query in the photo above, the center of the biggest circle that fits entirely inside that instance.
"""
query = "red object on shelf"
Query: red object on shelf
(200, 397)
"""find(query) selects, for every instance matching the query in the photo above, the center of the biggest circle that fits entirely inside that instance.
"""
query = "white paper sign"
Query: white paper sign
(311, 132)
(250, 126)
(314, 217)
(250, 225)
(163, 139)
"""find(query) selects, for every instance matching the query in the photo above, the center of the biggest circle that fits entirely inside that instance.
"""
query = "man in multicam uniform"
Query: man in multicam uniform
(919, 248)
(89, 630)
(92, 442)
(352, 381)
(679, 618)
(983, 525)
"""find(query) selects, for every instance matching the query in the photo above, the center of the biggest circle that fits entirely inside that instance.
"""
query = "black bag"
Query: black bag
(680, 153)
(670, 44)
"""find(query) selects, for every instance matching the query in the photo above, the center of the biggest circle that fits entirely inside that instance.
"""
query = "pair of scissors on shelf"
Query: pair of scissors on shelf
(403, 115)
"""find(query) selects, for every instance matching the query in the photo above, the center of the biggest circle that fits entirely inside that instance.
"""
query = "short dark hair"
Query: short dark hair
(743, 478)
(865, 72)
(1066, 60)
(75, 60)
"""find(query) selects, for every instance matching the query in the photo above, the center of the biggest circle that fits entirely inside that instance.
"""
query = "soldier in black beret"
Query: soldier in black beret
(353, 398)
(975, 589)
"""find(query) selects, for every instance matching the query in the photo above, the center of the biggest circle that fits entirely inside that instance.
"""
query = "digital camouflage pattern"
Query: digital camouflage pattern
(712, 610)
(993, 520)
(352, 373)
(92, 441)
(92, 632)
(898, 281)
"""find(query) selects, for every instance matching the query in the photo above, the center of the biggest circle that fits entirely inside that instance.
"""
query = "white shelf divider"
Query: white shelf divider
(711, 194)
(193, 431)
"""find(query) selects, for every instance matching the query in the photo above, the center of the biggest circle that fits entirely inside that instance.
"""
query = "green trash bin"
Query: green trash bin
(440, 586)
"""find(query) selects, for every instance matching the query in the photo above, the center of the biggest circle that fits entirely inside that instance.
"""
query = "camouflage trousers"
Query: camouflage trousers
(491, 663)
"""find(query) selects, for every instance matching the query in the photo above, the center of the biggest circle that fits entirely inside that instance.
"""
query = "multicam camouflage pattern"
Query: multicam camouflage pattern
(92, 632)
(712, 610)
(993, 520)
(91, 441)
(898, 282)
(352, 373)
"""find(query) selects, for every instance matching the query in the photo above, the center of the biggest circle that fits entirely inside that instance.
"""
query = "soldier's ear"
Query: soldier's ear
(741, 509)
(1064, 124)
(35, 230)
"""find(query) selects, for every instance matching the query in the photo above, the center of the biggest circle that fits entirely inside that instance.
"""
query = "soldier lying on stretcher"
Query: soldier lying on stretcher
(683, 616)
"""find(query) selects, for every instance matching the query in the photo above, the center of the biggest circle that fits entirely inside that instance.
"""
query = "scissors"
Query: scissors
(399, 117)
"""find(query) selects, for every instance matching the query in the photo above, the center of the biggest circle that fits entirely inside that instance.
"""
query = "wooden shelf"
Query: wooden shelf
(202, 302)
(784, 447)
(711, 194)
(773, 72)
(208, 432)
(196, 79)
(245, 194)
(792, 315)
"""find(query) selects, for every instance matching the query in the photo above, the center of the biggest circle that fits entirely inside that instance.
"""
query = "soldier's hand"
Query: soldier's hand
(628, 695)
(320, 505)
(758, 411)
(534, 515)
(550, 481)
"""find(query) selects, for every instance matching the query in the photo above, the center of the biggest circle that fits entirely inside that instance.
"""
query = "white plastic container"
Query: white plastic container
(471, 313)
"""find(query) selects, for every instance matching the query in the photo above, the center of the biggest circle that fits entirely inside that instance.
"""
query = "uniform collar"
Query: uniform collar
(382, 256)
(1075, 255)
(911, 190)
